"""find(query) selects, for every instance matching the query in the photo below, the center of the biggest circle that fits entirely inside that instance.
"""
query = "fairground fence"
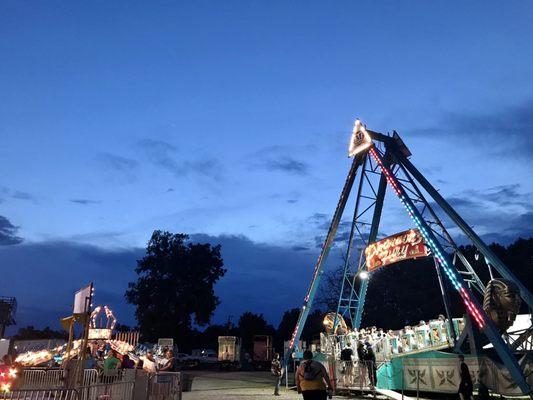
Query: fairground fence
(122, 385)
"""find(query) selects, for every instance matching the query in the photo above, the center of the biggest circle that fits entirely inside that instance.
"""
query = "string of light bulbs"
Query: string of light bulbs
(429, 238)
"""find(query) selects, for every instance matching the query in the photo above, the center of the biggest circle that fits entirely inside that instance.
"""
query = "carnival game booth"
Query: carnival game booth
(379, 163)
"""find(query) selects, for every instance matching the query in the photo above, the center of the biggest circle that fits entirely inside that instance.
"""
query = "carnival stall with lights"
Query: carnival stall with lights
(381, 161)
(101, 324)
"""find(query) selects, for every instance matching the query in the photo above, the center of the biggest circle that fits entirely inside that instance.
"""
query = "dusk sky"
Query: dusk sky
(230, 121)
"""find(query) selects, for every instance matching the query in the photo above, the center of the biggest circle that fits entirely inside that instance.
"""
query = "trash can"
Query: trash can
(186, 382)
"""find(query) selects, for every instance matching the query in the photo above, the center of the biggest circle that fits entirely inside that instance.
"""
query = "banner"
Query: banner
(402, 246)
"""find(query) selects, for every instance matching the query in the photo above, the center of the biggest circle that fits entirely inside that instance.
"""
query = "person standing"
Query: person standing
(363, 370)
(169, 361)
(277, 371)
(112, 362)
(347, 361)
(149, 363)
(90, 362)
(465, 386)
(371, 364)
(312, 379)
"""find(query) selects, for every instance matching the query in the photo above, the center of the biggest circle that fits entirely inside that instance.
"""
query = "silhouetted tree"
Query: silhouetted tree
(209, 337)
(312, 328)
(30, 333)
(251, 324)
(175, 287)
(123, 328)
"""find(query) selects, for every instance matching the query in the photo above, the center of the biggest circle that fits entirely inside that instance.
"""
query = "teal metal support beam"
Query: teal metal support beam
(487, 327)
(374, 229)
(468, 231)
(318, 271)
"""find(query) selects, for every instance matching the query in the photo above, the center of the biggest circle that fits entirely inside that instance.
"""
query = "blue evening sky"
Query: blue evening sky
(229, 120)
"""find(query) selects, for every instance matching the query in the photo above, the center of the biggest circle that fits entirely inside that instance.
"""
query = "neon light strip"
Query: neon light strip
(429, 239)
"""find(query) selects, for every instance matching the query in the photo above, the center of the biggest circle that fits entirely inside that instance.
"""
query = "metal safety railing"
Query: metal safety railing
(165, 386)
(40, 394)
(358, 375)
(107, 391)
(118, 385)
(51, 378)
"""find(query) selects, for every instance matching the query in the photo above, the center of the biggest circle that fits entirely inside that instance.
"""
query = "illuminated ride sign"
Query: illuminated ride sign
(100, 333)
(360, 139)
(402, 246)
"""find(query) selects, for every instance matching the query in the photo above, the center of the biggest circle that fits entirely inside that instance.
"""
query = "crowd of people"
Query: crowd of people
(107, 361)
(364, 348)
(410, 338)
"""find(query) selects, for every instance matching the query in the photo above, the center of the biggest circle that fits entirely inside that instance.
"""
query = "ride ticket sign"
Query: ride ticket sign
(402, 246)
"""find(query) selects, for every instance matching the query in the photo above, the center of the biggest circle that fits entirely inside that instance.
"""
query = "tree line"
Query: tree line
(174, 294)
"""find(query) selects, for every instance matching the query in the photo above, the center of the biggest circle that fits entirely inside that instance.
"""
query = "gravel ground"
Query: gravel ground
(214, 385)
(231, 385)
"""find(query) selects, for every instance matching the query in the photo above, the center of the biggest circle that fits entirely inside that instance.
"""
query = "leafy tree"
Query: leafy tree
(30, 333)
(209, 337)
(123, 328)
(312, 328)
(175, 287)
(251, 324)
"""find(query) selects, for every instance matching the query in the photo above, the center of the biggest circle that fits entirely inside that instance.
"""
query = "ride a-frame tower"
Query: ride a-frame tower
(387, 158)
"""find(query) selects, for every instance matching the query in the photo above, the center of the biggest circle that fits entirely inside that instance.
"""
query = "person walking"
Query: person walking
(277, 371)
(312, 379)
(465, 386)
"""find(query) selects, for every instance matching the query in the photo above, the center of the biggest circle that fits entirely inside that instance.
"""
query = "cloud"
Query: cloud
(500, 213)
(279, 159)
(22, 196)
(15, 194)
(166, 156)
(125, 168)
(8, 233)
(84, 202)
(44, 276)
(508, 131)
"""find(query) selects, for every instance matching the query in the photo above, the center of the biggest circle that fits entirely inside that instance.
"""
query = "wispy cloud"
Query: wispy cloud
(22, 196)
(166, 156)
(125, 168)
(6, 193)
(508, 131)
(84, 202)
(8, 233)
(500, 213)
(280, 159)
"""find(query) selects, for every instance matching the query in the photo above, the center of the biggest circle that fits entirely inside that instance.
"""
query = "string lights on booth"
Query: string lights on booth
(429, 239)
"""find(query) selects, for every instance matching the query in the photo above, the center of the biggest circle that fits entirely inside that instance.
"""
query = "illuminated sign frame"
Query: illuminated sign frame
(100, 333)
(401, 246)
(360, 139)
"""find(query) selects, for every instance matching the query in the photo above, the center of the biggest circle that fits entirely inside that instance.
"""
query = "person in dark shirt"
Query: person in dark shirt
(465, 386)
(361, 355)
(127, 362)
(371, 364)
(277, 371)
(346, 358)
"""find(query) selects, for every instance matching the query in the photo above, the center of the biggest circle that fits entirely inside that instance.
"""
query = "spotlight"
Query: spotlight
(363, 275)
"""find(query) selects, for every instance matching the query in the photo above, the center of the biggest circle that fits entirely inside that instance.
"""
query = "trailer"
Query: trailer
(229, 352)
(262, 352)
